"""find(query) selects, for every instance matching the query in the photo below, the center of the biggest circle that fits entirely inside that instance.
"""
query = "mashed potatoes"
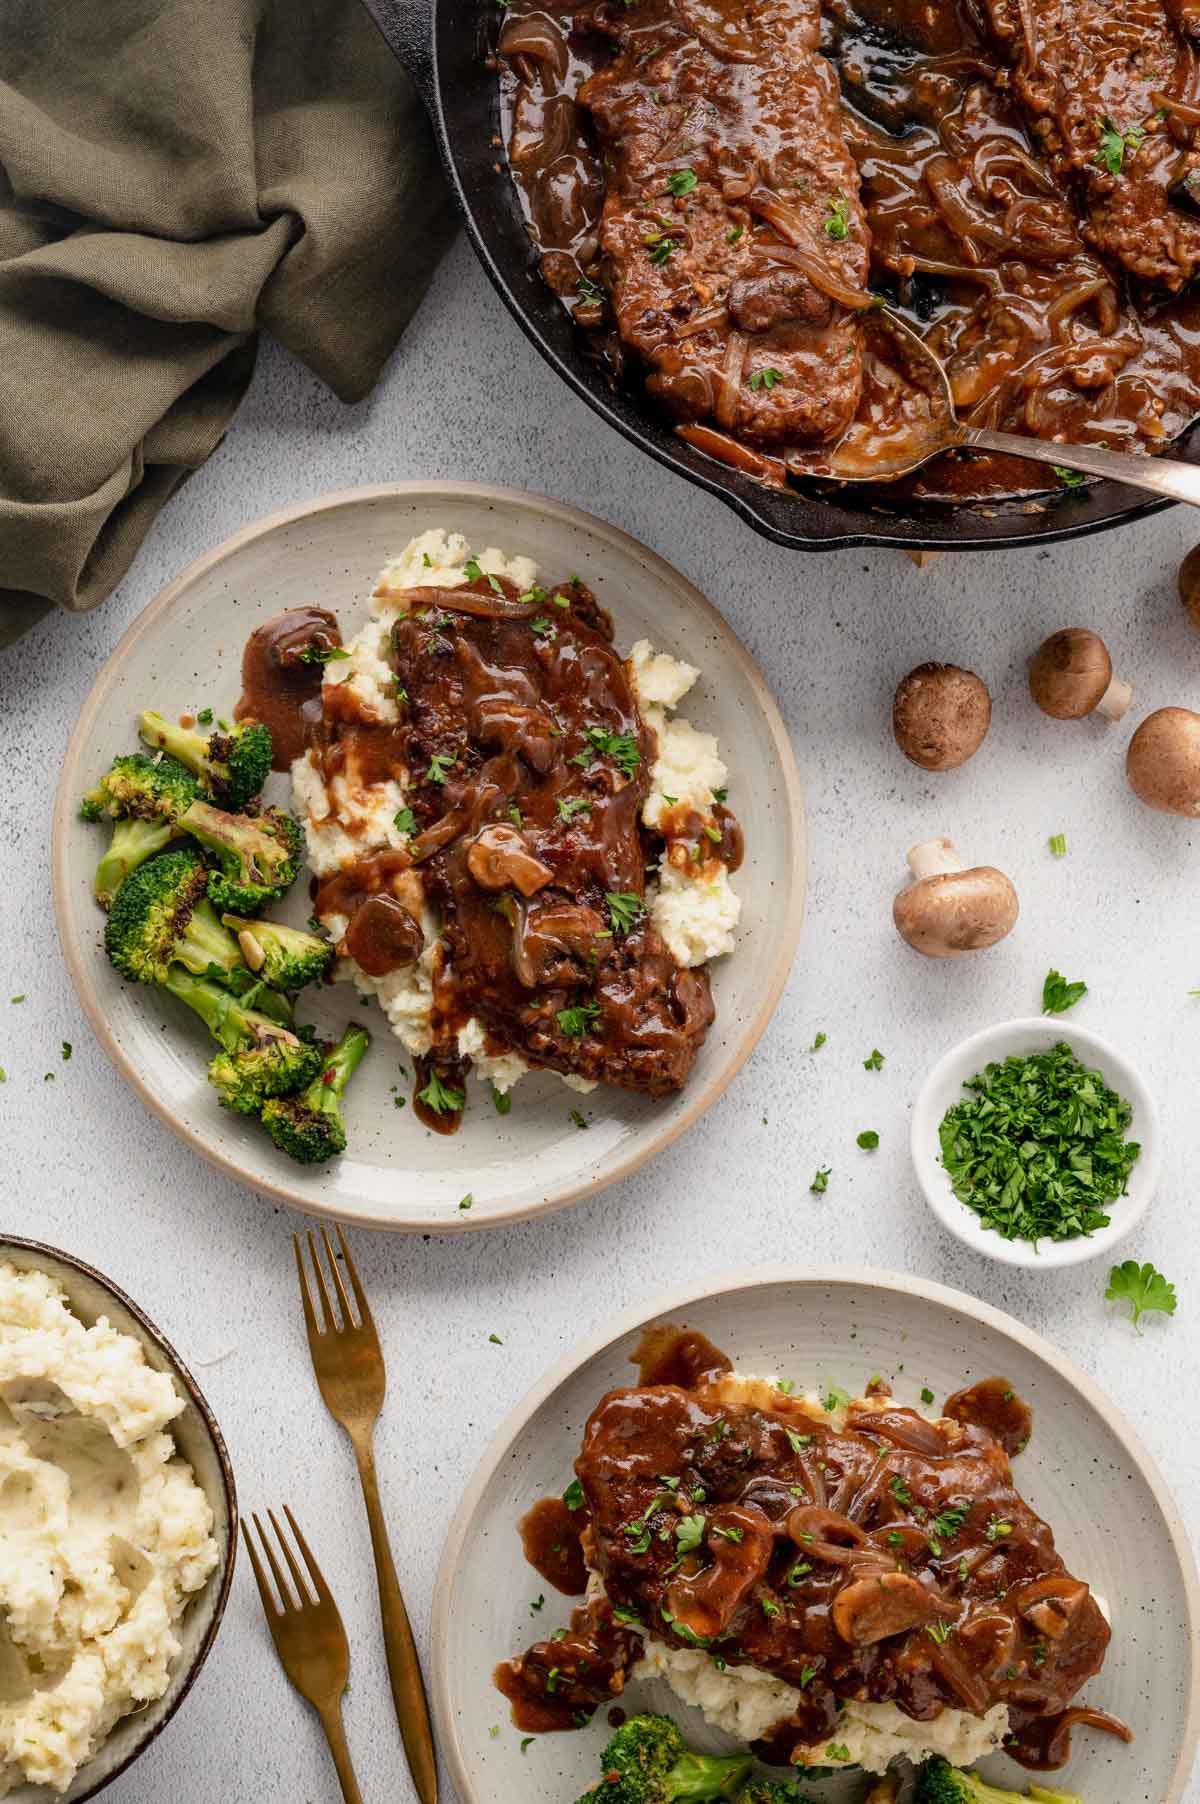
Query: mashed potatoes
(104, 1532)
(696, 911)
(746, 1703)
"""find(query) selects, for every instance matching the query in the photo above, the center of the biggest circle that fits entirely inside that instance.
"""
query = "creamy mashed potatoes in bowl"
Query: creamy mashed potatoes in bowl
(117, 1528)
(524, 1147)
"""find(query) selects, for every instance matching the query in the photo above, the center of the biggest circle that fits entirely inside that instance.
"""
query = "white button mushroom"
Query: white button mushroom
(1071, 676)
(948, 909)
(940, 715)
(1163, 761)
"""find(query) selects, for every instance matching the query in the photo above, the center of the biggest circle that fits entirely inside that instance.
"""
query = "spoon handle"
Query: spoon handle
(1160, 475)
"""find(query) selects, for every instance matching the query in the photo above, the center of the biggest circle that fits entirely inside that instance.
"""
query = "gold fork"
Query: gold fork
(348, 1362)
(309, 1637)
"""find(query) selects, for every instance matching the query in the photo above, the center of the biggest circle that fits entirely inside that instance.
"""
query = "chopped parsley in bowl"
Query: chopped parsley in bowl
(1036, 1144)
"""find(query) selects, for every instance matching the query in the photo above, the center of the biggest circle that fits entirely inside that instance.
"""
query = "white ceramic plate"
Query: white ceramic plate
(1085, 1471)
(185, 652)
(199, 1440)
(944, 1087)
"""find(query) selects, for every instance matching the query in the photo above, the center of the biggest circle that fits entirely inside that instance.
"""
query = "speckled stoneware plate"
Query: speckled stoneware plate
(184, 652)
(199, 1440)
(1085, 1472)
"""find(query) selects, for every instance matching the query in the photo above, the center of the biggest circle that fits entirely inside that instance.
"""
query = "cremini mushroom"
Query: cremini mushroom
(499, 858)
(940, 715)
(871, 1609)
(1071, 676)
(1189, 584)
(948, 909)
(1163, 761)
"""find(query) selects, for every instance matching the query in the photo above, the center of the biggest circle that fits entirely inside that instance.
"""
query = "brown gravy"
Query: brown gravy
(550, 1537)
(282, 675)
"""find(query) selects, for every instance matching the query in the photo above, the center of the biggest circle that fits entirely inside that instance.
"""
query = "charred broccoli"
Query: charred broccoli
(646, 1762)
(144, 797)
(309, 1126)
(940, 1783)
(259, 1058)
(285, 957)
(258, 854)
(768, 1791)
(161, 916)
(232, 763)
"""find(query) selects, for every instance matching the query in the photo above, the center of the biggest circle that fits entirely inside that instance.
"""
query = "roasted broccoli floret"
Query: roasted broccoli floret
(145, 797)
(259, 1057)
(940, 1783)
(285, 957)
(258, 854)
(233, 763)
(646, 1762)
(161, 916)
(309, 1127)
(769, 1791)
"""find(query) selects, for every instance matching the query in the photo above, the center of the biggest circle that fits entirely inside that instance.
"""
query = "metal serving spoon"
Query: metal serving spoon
(881, 449)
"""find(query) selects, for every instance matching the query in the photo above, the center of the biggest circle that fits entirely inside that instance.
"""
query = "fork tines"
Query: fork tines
(329, 1323)
(302, 1596)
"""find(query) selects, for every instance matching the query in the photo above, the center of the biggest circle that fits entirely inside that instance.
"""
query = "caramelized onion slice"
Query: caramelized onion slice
(536, 36)
(800, 254)
(492, 606)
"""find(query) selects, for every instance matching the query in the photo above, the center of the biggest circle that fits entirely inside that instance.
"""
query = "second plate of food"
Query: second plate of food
(543, 852)
(845, 1519)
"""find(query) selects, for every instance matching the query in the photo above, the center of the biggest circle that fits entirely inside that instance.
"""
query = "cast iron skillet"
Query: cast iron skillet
(445, 44)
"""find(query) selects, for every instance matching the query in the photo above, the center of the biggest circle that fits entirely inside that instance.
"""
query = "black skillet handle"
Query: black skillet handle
(407, 28)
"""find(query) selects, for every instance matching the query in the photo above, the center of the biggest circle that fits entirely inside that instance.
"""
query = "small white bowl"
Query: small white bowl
(943, 1087)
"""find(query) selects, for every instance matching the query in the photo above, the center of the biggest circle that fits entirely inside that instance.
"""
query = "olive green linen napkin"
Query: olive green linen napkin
(174, 175)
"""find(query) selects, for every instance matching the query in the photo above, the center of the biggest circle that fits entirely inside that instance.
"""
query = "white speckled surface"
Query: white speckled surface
(88, 1169)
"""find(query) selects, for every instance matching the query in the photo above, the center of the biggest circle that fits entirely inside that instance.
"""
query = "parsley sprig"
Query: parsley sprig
(1038, 1149)
(1142, 1288)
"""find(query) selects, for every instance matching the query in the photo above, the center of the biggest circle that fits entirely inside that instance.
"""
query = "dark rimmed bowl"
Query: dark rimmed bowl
(200, 1442)
(445, 45)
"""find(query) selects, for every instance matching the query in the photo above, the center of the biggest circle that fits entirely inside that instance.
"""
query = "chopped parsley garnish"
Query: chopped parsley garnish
(837, 222)
(766, 379)
(681, 182)
(1142, 1287)
(541, 628)
(622, 748)
(467, 1202)
(868, 1140)
(875, 1062)
(689, 1533)
(818, 1042)
(1058, 845)
(836, 1398)
(204, 718)
(799, 1571)
(625, 909)
(837, 1750)
(570, 806)
(574, 1022)
(1058, 995)
(501, 1101)
(66, 1049)
(515, 815)
(786, 1386)
(527, 1741)
(1037, 1148)
(579, 1119)
(662, 248)
(314, 654)
(537, 1602)
(820, 1183)
(573, 1495)
(440, 764)
(997, 1530)
(442, 1098)
(495, 1340)
(536, 594)
(939, 1631)
(1070, 479)
(900, 1490)
(769, 1606)
(797, 1442)
(495, 585)
(1114, 143)
(639, 1536)
(622, 1613)
(730, 1534)
(926, 1394)
(733, 236)
(945, 1526)
(588, 291)
(471, 570)
(405, 821)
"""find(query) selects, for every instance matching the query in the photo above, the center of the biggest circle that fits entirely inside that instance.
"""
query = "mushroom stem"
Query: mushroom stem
(1114, 703)
(934, 858)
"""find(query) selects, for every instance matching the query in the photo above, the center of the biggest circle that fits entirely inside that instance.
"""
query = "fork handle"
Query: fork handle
(403, 1661)
(335, 1735)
